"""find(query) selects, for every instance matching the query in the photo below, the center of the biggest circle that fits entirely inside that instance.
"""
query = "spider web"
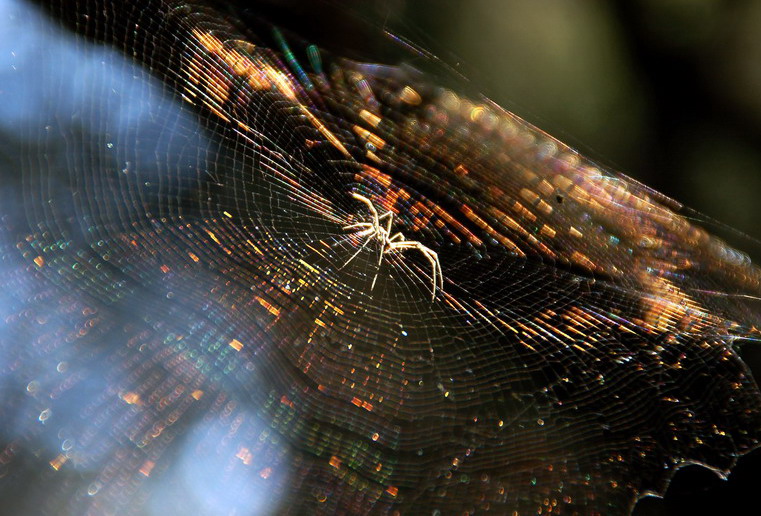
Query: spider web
(183, 333)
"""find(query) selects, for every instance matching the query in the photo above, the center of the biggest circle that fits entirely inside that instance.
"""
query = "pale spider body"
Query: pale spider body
(373, 230)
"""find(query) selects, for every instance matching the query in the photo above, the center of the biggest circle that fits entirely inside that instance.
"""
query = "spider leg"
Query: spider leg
(384, 236)
(377, 270)
(441, 273)
(373, 228)
(358, 225)
(434, 267)
(437, 277)
(367, 202)
(388, 224)
(375, 278)
(433, 257)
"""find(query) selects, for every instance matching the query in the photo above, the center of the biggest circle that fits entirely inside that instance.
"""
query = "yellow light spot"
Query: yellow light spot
(450, 100)
(547, 231)
(523, 211)
(334, 308)
(193, 257)
(197, 394)
(280, 80)
(213, 236)
(582, 260)
(244, 455)
(476, 113)
(240, 64)
(544, 208)
(59, 461)
(364, 404)
(305, 264)
(371, 118)
(369, 137)
(460, 170)
(410, 96)
(545, 188)
(236, 344)
(227, 214)
(393, 491)
(131, 398)
(39, 261)
(256, 249)
(270, 308)
(335, 462)
(209, 41)
(147, 467)
(216, 111)
(530, 196)
(562, 183)
(334, 141)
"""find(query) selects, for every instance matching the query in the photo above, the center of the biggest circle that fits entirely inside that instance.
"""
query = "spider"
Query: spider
(389, 244)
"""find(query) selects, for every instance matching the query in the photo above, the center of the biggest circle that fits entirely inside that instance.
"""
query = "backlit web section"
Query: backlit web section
(185, 330)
